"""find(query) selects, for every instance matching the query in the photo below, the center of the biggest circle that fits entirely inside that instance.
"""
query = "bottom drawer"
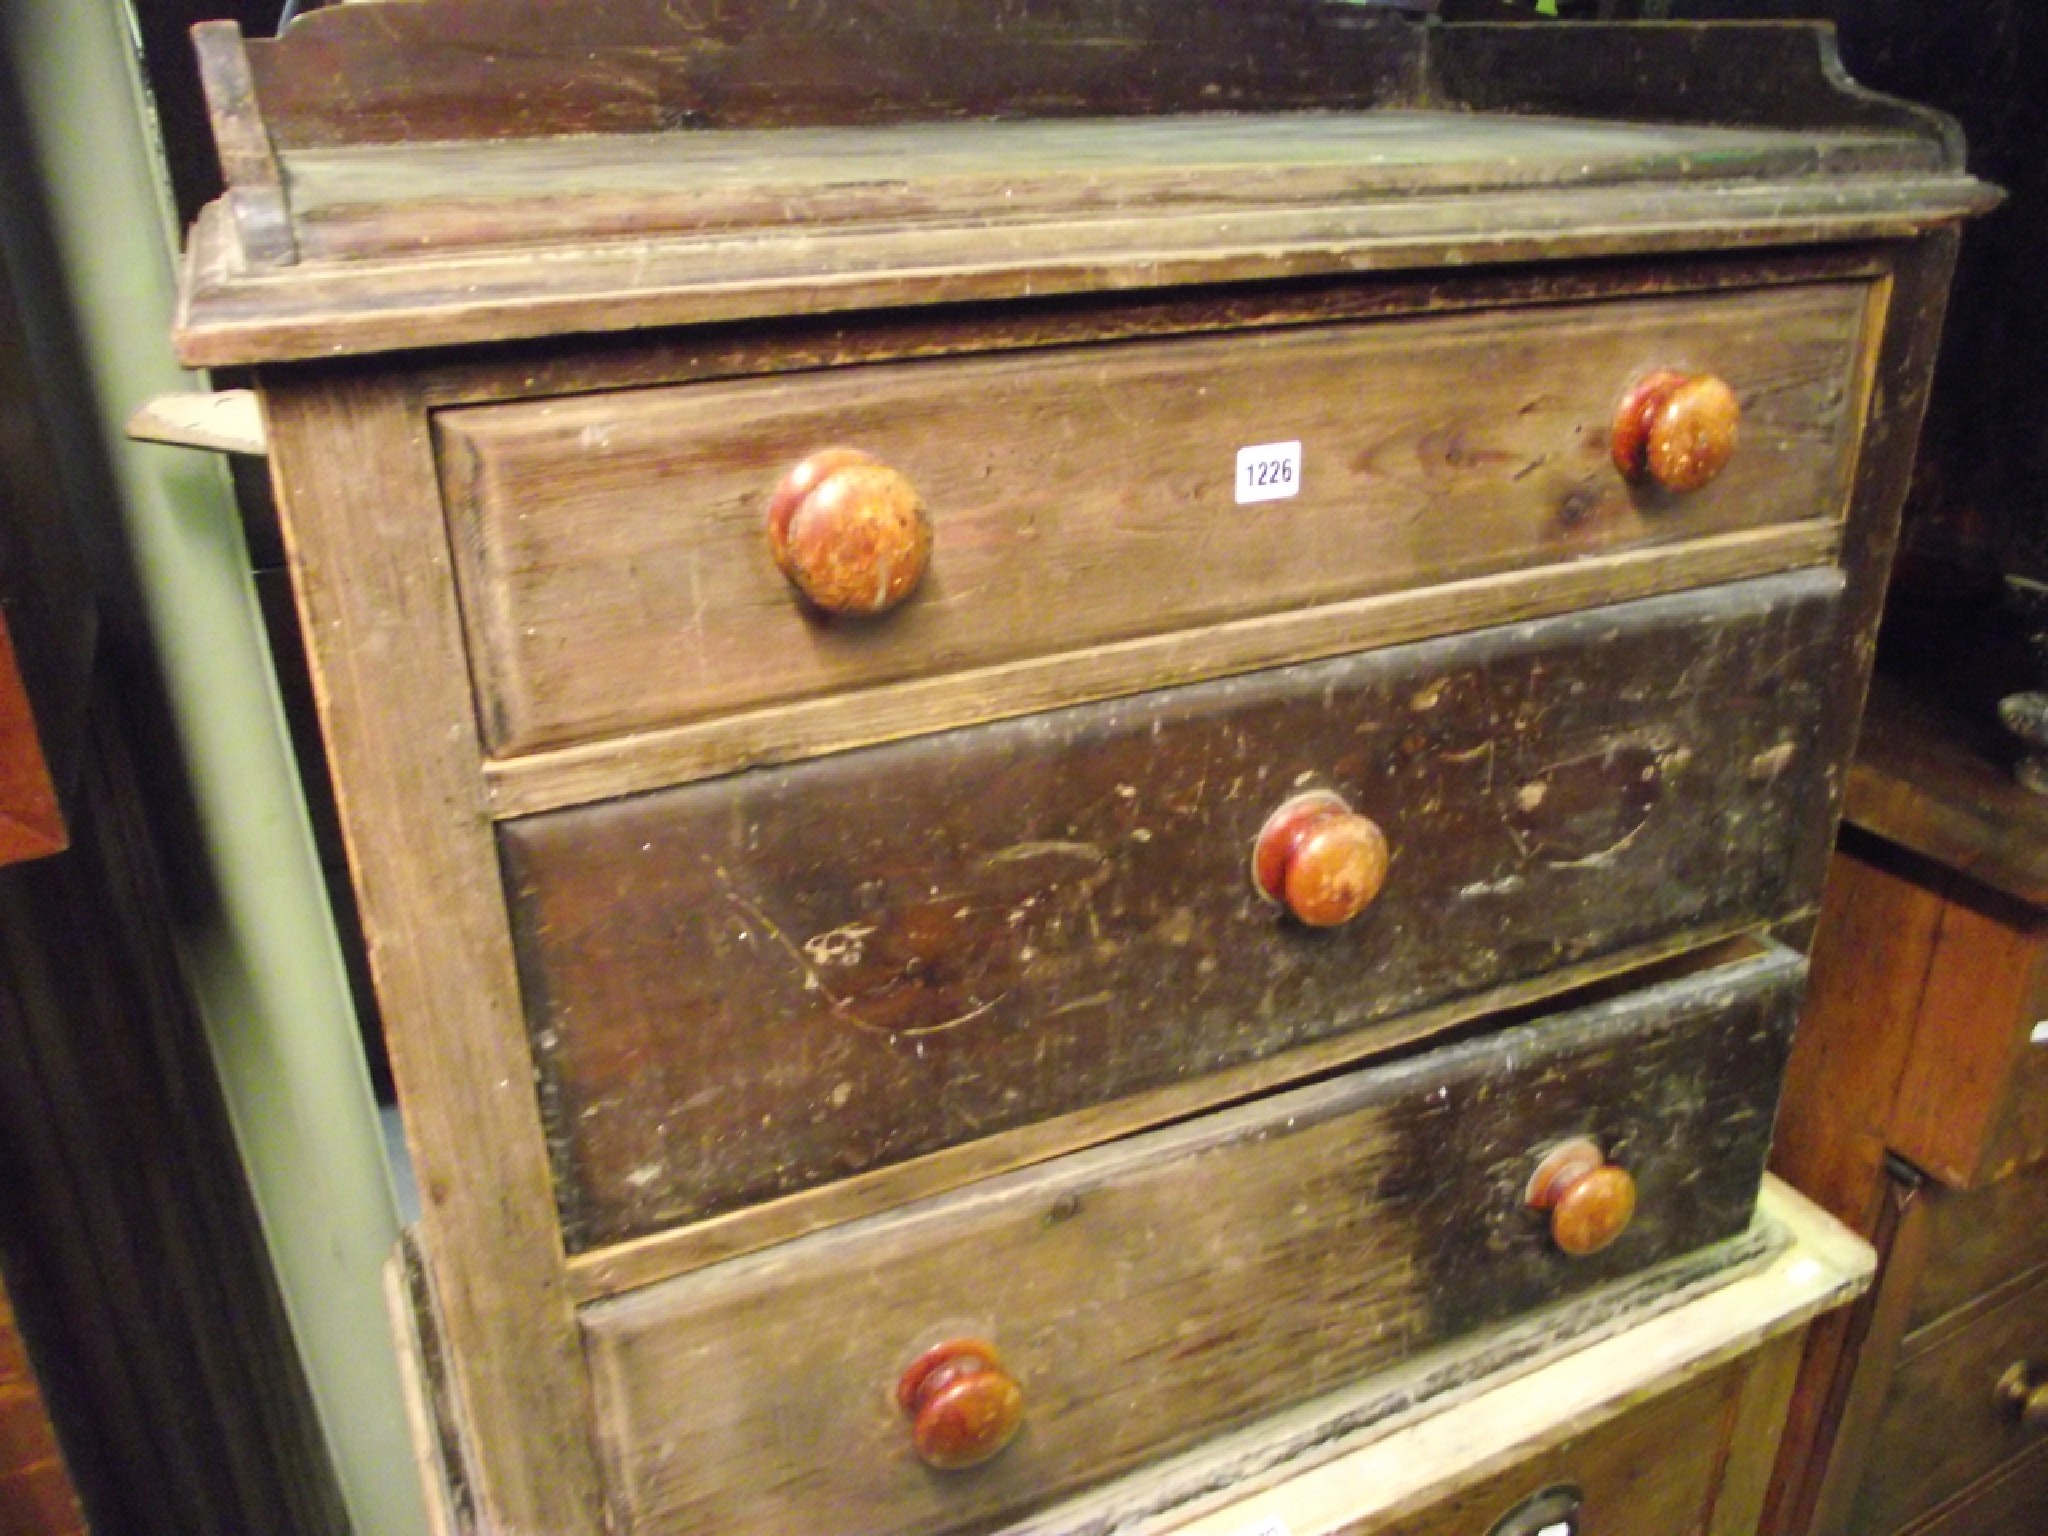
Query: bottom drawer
(1157, 1290)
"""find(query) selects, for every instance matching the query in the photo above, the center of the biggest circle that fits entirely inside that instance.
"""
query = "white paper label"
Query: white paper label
(1561, 1528)
(1272, 1525)
(1268, 472)
(2040, 1034)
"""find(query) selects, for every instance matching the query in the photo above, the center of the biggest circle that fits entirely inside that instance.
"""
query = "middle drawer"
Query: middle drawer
(746, 988)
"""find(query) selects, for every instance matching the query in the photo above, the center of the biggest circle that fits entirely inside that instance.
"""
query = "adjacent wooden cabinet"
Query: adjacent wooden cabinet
(1916, 1109)
(1081, 747)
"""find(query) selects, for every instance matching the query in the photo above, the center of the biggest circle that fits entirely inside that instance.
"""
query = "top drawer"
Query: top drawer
(615, 575)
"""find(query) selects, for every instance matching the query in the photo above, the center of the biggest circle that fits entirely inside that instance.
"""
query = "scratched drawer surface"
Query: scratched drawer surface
(616, 575)
(1136, 1298)
(746, 988)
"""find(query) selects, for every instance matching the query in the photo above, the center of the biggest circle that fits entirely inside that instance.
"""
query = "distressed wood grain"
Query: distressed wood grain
(749, 987)
(500, 69)
(613, 561)
(609, 1271)
(1183, 1282)
(231, 313)
(1426, 1455)
(361, 203)
(369, 565)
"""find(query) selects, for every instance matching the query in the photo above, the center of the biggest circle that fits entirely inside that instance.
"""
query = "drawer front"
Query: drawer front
(1943, 1425)
(1977, 1240)
(1148, 1293)
(615, 571)
(2013, 1503)
(749, 987)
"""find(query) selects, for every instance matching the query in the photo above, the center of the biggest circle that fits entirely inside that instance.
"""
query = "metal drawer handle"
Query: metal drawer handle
(1553, 1512)
(2022, 1396)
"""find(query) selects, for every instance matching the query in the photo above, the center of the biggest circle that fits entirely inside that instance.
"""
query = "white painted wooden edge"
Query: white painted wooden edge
(219, 420)
(1824, 1266)
(418, 1397)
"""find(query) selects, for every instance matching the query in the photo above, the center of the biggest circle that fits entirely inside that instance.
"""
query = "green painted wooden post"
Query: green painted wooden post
(265, 961)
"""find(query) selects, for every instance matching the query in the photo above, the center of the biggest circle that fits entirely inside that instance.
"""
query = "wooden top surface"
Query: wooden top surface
(1937, 780)
(362, 201)
(398, 178)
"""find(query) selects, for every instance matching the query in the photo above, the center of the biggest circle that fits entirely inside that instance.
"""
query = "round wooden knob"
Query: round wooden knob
(2023, 1396)
(1589, 1200)
(1676, 429)
(963, 1406)
(849, 532)
(1320, 859)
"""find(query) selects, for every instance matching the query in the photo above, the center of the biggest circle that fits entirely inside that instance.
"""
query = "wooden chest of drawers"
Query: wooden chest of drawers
(1378, 552)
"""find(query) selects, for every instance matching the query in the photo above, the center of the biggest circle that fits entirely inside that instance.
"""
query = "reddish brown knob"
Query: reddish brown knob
(1320, 859)
(849, 532)
(2023, 1396)
(964, 1407)
(1676, 429)
(1589, 1200)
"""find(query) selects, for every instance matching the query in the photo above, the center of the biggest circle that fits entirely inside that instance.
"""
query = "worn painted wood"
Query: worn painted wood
(578, 364)
(641, 71)
(249, 163)
(755, 986)
(370, 569)
(218, 420)
(1303, 1240)
(230, 313)
(1790, 75)
(613, 560)
(1106, 229)
(362, 203)
(1754, 1437)
(608, 1271)
(451, 72)
(1411, 1437)
(1427, 1458)
(1656, 1468)
(815, 727)
(1914, 300)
